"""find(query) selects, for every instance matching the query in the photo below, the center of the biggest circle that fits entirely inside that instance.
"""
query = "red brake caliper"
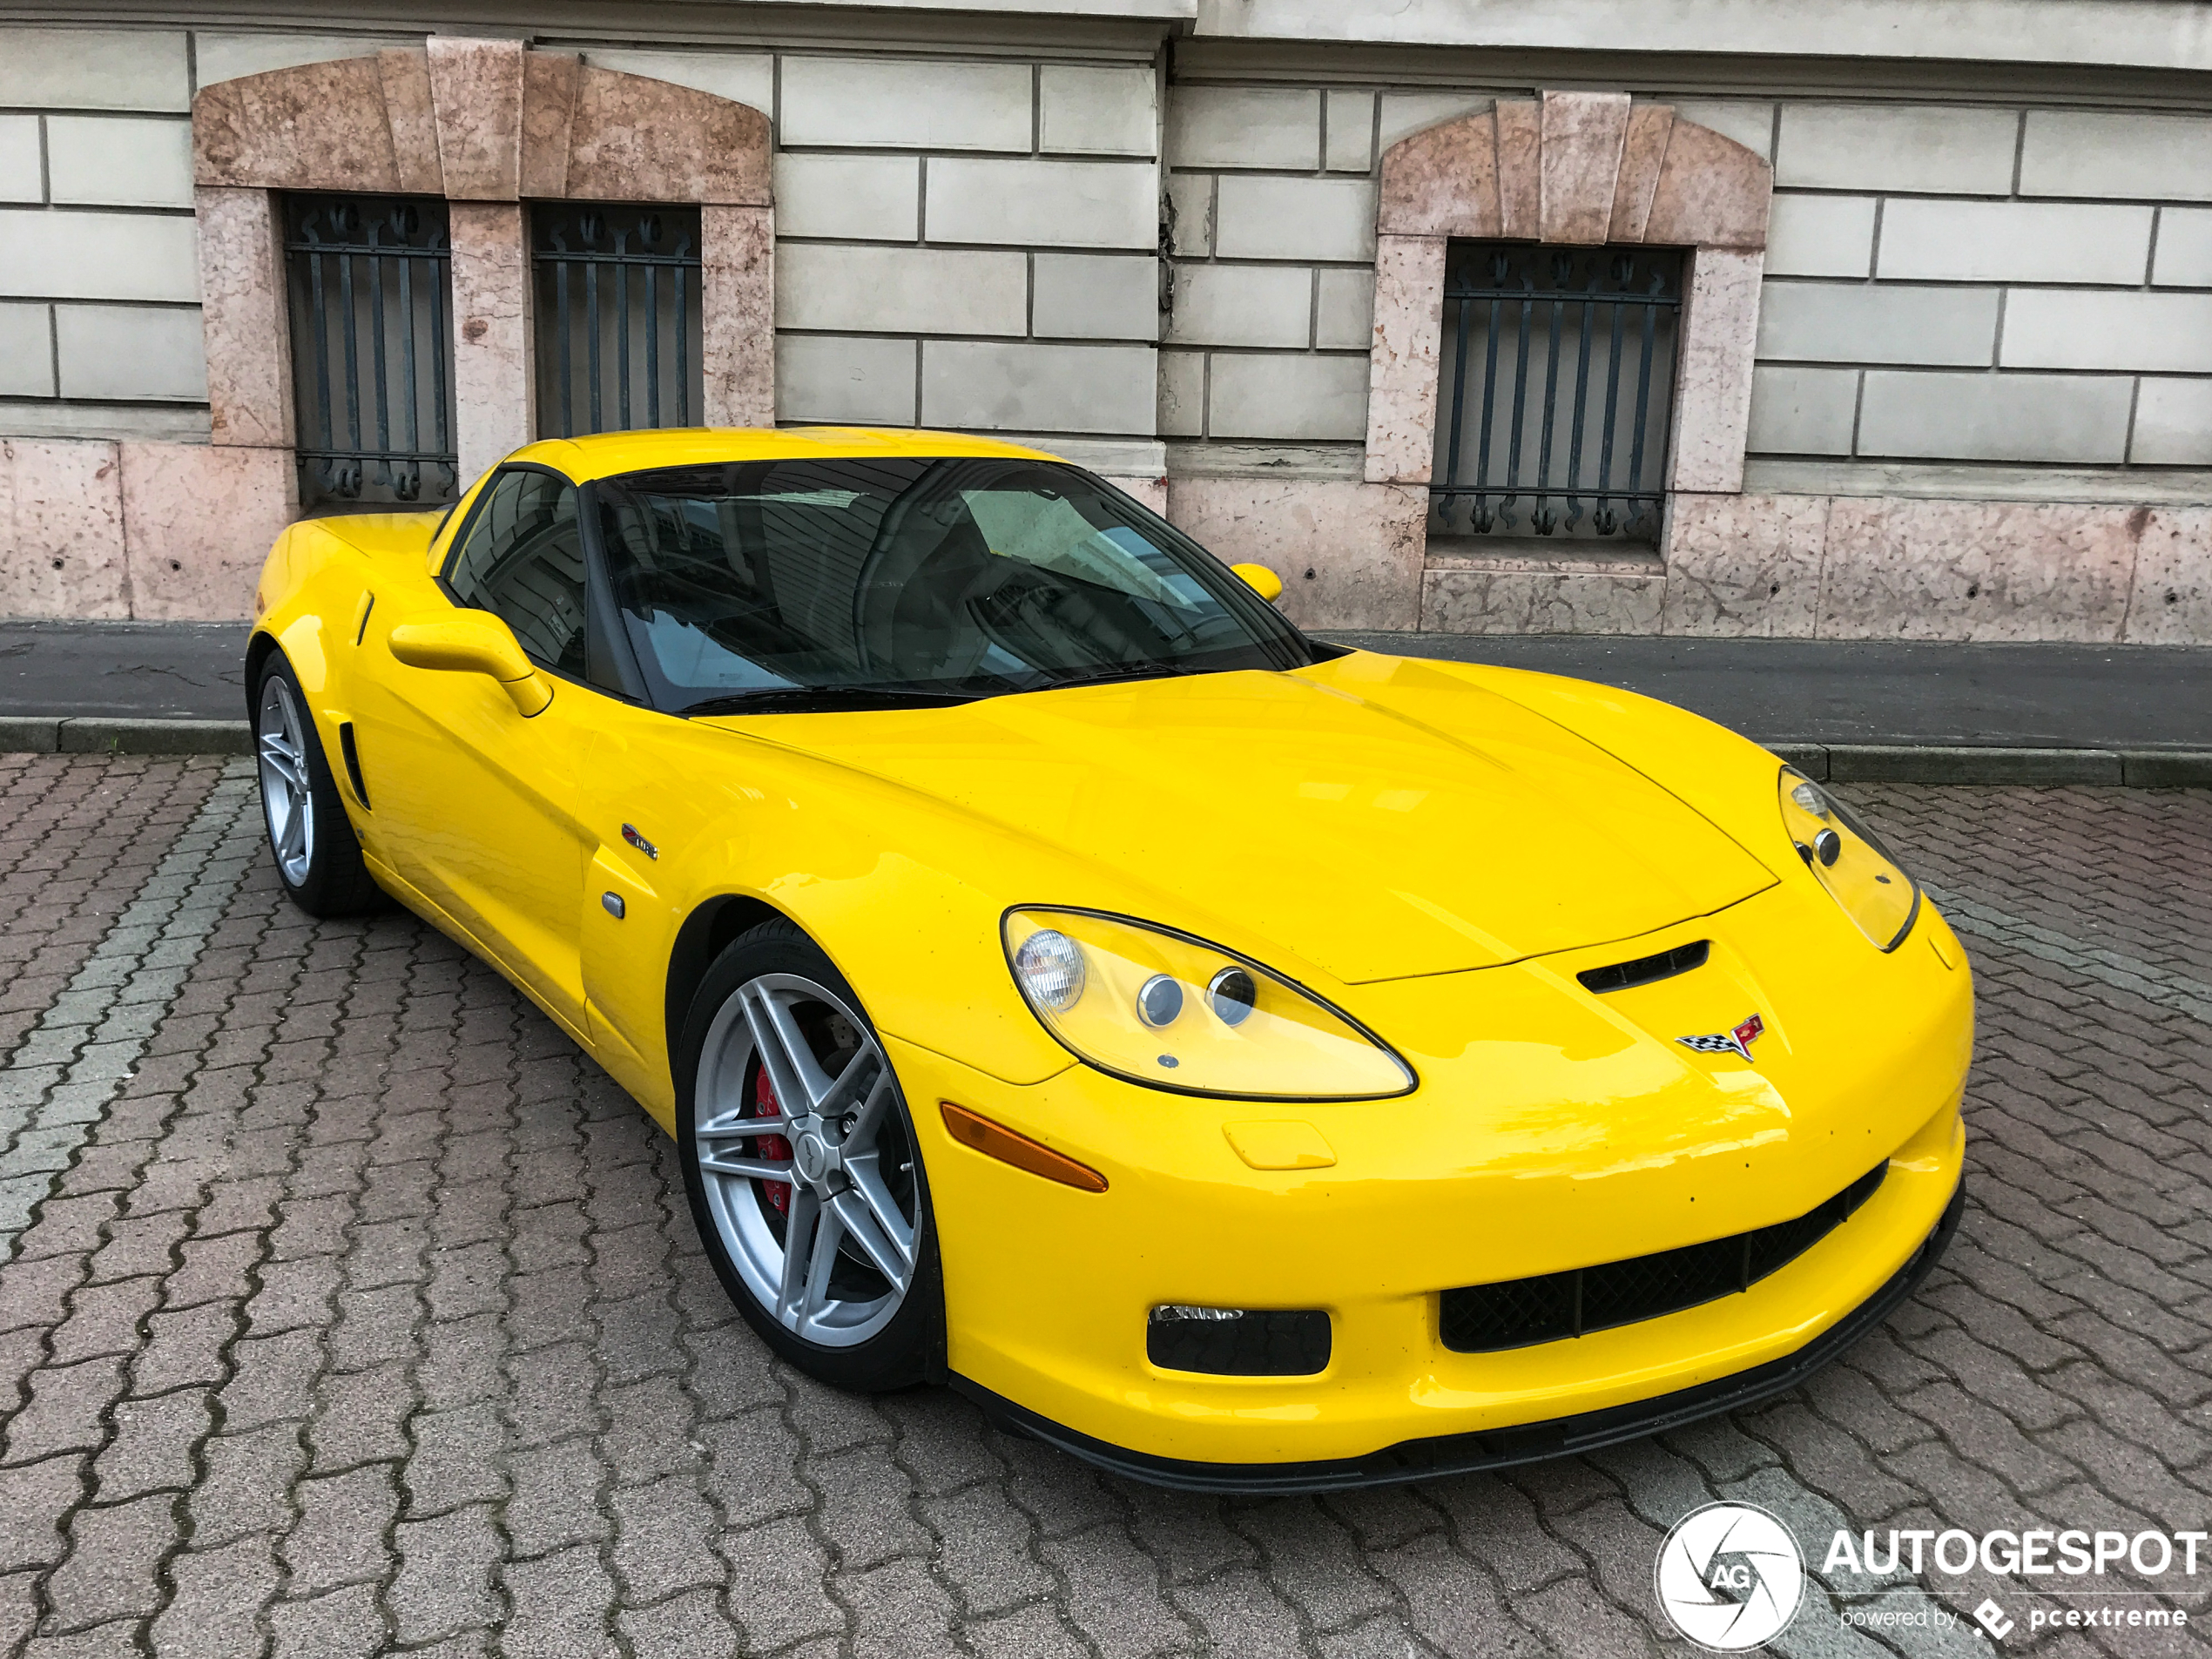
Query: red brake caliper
(773, 1147)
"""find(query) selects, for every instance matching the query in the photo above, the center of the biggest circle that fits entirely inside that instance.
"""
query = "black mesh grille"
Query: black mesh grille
(1646, 970)
(1257, 1343)
(1518, 1312)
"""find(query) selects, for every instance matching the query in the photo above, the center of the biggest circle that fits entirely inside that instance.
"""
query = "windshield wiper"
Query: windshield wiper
(1111, 672)
(822, 700)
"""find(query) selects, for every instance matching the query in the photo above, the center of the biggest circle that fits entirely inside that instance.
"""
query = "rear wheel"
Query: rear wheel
(318, 856)
(801, 1164)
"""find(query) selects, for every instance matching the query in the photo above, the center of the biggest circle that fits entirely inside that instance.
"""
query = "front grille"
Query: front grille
(1251, 1342)
(1482, 1318)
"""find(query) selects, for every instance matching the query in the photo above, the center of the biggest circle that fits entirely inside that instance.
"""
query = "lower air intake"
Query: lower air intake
(1517, 1313)
(1239, 1342)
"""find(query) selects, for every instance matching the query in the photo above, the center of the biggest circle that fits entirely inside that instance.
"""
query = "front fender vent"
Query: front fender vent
(1518, 1313)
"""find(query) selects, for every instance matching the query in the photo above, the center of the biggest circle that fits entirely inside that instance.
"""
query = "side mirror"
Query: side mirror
(1261, 580)
(475, 642)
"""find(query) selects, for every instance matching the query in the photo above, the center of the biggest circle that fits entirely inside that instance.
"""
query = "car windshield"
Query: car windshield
(824, 583)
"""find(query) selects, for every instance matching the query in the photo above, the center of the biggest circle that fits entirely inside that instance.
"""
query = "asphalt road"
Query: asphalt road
(1776, 691)
(346, 1308)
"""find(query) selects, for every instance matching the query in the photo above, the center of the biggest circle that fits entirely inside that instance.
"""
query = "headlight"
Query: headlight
(1857, 870)
(1173, 1012)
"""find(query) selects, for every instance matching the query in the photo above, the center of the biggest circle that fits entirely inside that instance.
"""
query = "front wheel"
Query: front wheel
(802, 1167)
(318, 857)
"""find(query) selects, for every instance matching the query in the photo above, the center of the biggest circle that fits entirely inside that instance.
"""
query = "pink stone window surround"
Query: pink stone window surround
(487, 125)
(1580, 169)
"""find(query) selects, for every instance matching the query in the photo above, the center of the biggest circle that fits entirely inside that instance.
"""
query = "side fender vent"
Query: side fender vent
(352, 755)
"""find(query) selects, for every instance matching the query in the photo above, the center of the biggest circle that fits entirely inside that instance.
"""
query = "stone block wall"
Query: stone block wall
(2009, 285)
(99, 282)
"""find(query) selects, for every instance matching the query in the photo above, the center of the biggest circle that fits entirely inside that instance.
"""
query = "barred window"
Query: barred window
(371, 299)
(1556, 391)
(618, 317)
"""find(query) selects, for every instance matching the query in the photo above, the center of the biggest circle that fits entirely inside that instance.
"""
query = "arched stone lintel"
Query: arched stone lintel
(1579, 168)
(479, 120)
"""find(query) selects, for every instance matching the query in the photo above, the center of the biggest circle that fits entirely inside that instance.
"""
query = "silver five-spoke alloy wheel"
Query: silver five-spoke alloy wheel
(285, 797)
(805, 1161)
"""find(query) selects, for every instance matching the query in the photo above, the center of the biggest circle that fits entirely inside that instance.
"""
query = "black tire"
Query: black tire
(737, 1219)
(317, 855)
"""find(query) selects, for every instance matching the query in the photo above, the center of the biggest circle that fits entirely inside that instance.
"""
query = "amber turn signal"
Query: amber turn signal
(995, 1140)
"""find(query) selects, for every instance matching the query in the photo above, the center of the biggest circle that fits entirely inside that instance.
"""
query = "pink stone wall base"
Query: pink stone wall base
(1744, 565)
(1582, 136)
(1522, 602)
(1153, 492)
(243, 317)
(737, 257)
(491, 334)
(2170, 602)
(1402, 362)
(1362, 543)
(1977, 571)
(197, 521)
(61, 511)
(1720, 326)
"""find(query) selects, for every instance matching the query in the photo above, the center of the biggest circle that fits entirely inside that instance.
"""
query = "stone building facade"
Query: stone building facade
(1937, 360)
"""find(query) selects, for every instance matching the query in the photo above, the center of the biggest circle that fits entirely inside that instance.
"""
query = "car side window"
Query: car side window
(523, 560)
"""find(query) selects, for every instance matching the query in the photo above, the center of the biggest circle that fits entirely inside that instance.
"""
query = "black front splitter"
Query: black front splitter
(1450, 1454)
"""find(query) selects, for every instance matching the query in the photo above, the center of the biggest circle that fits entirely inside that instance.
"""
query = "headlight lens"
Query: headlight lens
(1843, 856)
(1173, 1012)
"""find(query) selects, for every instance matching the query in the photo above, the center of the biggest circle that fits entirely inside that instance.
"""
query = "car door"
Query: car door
(482, 799)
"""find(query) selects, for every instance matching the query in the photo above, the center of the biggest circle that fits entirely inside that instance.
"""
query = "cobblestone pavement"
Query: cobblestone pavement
(351, 1310)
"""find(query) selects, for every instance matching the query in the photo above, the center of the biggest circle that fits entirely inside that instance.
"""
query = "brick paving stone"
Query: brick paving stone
(366, 1316)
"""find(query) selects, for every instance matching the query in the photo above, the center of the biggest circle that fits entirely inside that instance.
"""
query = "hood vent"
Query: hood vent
(1646, 970)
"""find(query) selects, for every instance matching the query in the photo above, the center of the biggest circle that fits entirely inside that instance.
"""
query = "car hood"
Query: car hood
(1379, 817)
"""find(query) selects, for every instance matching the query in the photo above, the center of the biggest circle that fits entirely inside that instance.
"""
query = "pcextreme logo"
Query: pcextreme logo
(1730, 1576)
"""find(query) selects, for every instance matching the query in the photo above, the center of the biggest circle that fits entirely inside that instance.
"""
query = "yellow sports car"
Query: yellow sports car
(1242, 1061)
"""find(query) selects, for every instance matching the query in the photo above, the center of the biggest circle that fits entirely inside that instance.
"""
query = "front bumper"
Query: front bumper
(1468, 1454)
(1578, 1138)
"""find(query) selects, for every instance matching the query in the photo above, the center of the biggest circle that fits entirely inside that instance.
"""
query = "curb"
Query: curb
(97, 735)
(1899, 763)
(1840, 763)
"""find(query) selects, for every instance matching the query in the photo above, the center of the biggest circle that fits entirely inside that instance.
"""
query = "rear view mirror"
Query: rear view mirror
(1261, 580)
(475, 642)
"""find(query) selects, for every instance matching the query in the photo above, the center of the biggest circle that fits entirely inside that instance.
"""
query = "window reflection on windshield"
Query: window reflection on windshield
(758, 581)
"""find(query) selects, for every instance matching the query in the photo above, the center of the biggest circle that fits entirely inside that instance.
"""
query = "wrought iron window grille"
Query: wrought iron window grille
(370, 288)
(619, 321)
(1556, 391)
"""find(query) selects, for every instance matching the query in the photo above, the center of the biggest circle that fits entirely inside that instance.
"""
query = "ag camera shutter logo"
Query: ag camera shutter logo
(1730, 1576)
